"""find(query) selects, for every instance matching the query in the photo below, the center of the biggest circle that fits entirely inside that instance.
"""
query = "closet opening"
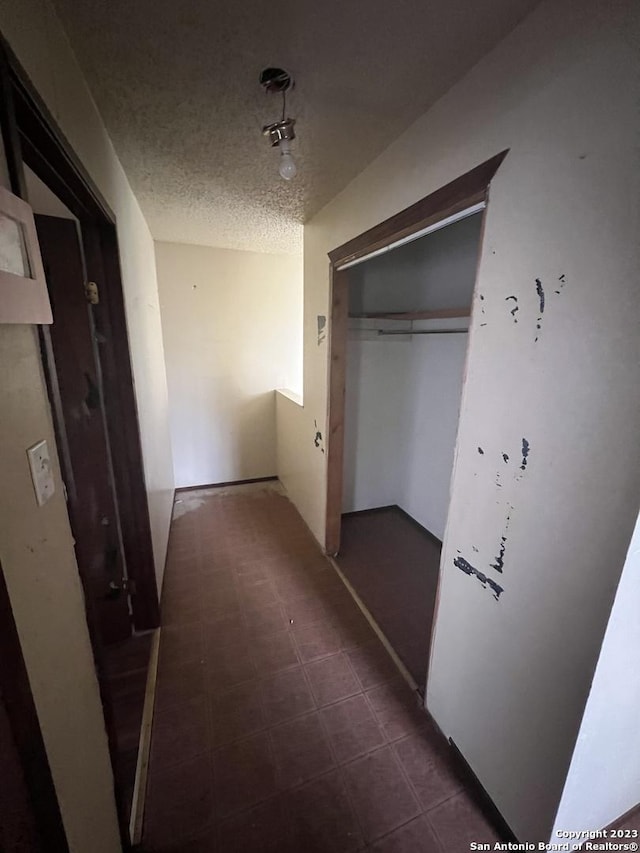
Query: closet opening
(398, 348)
(406, 347)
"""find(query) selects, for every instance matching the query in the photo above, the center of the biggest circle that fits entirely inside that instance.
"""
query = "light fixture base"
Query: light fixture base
(279, 130)
(275, 80)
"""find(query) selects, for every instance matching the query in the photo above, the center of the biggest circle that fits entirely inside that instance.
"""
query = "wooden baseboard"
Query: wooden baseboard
(417, 524)
(166, 553)
(397, 509)
(227, 483)
(371, 511)
(144, 746)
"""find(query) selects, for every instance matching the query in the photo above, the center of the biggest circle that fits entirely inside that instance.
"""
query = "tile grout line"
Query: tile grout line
(317, 709)
(406, 823)
(341, 766)
(392, 744)
(407, 778)
(300, 664)
(338, 767)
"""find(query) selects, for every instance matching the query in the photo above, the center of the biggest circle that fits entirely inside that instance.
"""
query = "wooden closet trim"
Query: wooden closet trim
(458, 195)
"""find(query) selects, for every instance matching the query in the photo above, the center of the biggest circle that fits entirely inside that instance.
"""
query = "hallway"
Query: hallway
(281, 723)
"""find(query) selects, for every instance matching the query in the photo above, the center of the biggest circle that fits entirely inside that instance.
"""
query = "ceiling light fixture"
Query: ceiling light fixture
(282, 132)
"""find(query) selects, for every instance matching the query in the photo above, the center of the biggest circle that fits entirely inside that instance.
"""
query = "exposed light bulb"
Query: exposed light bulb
(288, 167)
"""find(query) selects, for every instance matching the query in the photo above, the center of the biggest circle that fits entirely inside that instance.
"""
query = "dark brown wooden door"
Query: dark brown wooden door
(81, 432)
(18, 824)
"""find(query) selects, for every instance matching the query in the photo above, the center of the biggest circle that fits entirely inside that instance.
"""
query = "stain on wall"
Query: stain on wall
(466, 567)
(318, 440)
(540, 292)
(515, 308)
(563, 280)
(498, 561)
(322, 328)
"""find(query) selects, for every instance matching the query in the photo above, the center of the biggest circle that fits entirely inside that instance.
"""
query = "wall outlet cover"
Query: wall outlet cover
(41, 471)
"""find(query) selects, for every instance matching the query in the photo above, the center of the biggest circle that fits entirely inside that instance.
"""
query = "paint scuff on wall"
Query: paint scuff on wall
(541, 302)
(498, 563)
(318, 440)
(466, 567)
(322, 328)
(515, 308)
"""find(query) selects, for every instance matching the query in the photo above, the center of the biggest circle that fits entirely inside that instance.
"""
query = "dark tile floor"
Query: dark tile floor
(281, 724)
(126, 665)
(392, 564)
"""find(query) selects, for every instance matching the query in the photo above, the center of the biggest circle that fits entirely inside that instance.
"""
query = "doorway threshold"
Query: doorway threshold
(402, 669)
(392, 562)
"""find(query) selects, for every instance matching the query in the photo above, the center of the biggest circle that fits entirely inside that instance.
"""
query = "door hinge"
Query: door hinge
(115, 588)
(91, 293)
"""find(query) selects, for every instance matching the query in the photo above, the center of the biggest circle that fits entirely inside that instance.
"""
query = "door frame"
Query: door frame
(32, 136)
(464, 192)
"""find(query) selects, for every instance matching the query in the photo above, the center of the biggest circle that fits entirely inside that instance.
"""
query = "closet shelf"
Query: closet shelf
(409, 332)
(438, 314)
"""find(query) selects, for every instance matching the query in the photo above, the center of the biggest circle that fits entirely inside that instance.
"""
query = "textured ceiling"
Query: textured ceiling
(176, 82)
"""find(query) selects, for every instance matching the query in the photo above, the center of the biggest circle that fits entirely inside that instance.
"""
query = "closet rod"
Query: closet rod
(421, 331)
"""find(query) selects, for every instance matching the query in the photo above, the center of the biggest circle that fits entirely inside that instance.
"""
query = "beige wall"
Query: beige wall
(509, 678)
(36, 549)
(232, 333)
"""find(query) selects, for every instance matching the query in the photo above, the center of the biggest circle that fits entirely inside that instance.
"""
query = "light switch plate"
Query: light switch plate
(41, 473)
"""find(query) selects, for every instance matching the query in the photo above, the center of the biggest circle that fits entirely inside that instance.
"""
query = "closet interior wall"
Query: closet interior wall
(403, 390)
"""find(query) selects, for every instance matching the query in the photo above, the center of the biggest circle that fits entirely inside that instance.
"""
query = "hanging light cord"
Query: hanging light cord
(284, 103)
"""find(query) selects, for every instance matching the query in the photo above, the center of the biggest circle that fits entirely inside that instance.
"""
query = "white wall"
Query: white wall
(232, 335)
(401, 422)
(36, 547)
(435, 377)
(606, 761)
(403, 395)
(509, 678)
(376, 401)
(435, 271)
